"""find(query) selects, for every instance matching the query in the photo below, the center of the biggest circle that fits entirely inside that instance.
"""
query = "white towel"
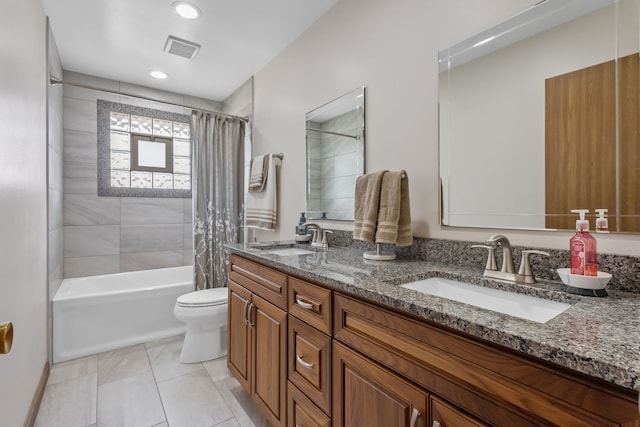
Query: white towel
(262, 209)
(258, 172)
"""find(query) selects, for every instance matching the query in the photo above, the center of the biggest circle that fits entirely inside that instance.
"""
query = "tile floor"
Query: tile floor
(145, 386)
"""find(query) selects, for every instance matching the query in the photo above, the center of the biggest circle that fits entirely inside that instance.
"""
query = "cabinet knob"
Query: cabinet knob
(435, 424)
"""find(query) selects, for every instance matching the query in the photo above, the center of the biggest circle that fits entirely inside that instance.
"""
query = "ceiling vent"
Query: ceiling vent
(180, 47)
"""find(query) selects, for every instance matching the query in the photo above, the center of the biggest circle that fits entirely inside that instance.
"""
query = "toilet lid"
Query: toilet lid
(203, 298)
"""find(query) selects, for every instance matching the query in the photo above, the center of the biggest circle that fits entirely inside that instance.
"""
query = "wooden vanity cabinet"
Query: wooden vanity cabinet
(473, 382)
(257, 328)
(363, 364)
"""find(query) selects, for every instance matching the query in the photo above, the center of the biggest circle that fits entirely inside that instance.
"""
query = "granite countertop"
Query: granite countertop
(595, 336)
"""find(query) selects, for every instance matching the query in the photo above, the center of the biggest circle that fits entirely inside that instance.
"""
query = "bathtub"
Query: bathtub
(102, 313)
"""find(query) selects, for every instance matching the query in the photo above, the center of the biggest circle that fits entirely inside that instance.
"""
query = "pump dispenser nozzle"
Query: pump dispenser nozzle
(581, 224)
(602, 222)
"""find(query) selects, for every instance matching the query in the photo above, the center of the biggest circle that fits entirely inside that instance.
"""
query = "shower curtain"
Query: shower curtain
(217, 192)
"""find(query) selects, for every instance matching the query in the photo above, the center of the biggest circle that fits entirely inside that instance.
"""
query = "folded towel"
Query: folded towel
(394, 214)
(262, 207)
(259, 171)
(367, 200)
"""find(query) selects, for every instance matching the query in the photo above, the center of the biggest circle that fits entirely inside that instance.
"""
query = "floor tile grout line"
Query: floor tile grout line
(155, 382)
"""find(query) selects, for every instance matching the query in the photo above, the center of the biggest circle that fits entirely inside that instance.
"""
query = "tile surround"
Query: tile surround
(90, 249)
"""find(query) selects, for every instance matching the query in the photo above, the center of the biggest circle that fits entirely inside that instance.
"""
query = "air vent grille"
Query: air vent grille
(183, 48)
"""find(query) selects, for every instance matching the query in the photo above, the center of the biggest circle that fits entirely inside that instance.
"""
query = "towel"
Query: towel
(259, 171)
(262, 209)
(367, 200)
(394, 214)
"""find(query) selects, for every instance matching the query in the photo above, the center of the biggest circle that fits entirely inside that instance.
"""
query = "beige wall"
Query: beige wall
(23, 203)
(392, 49)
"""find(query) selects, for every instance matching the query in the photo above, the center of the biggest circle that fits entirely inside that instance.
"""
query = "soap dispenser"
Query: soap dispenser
(583, 247)
(300, 227)
(602, 222)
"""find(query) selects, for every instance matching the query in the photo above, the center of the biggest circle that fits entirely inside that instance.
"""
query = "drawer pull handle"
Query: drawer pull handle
(415, 414)
(246, 312)
(305, 305)
(436, 424)
(303, 363)
(250, 318)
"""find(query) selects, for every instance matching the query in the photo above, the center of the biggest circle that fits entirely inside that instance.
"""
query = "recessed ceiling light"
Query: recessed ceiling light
(158, 74)
(186, 10)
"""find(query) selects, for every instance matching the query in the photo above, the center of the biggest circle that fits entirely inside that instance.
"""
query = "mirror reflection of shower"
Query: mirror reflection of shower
(335, 156)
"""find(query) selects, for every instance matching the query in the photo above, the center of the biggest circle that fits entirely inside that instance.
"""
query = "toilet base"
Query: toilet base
(202, 344)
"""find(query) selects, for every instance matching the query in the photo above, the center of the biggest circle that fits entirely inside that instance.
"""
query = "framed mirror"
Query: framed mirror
(335, 134)
(539, 115)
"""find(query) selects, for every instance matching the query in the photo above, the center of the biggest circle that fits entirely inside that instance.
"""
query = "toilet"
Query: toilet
(205, 313)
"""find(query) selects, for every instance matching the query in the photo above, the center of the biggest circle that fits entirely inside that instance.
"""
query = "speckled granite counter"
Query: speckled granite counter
(596, 336)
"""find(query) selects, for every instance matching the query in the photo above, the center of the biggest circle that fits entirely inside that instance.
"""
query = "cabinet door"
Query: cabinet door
(366, 394)
(269, 338)
(239, 334)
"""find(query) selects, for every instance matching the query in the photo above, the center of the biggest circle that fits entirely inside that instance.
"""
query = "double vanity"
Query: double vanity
(324, 337)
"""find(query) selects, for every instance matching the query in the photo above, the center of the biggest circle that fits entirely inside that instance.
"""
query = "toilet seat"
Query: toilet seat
(204, 298)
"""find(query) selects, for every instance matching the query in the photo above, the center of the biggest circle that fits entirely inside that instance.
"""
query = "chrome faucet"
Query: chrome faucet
(317, 232)
(507, 271)
(319, 238)
(507, 256)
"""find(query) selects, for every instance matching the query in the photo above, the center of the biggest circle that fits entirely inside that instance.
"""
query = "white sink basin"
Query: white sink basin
(289, 252)
(514, 304)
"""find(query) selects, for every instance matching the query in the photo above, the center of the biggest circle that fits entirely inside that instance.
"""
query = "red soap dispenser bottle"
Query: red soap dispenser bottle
(583, 247)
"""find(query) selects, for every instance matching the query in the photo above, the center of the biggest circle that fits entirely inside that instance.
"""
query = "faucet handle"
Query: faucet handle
(491, 258)
(324, 238)
(525, 264)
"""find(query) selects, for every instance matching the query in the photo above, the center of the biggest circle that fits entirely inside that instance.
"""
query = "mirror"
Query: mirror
(531, 123)
(335, 156)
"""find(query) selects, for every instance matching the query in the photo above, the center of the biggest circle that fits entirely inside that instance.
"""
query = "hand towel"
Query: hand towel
(367, 200)
(394, 214)
(259, 171)
(261, 208)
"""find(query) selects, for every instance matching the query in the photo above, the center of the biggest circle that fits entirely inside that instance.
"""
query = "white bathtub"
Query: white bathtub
(102, 313)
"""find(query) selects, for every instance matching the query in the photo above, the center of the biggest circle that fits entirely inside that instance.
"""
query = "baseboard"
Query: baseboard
(37, 397)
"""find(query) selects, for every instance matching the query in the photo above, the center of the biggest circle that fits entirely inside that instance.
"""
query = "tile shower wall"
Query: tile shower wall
(332, 174)
(105, 235)
(55, 170)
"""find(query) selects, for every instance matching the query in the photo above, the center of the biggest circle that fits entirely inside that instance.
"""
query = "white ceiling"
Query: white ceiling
(124, 39)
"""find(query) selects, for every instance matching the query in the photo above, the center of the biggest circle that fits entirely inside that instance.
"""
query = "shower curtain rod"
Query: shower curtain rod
(57, 81)
(333, 133)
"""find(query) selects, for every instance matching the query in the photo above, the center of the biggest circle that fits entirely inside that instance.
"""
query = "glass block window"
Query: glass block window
(143, 152)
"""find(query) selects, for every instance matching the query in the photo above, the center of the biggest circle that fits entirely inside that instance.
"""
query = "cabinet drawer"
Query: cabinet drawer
(445, 415)
(310, 362)
(310, 303)
(263, 281)
(302, 412)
